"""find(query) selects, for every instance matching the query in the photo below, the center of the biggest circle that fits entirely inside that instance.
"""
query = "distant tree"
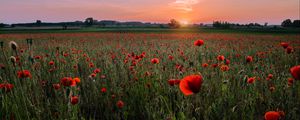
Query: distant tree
(287, 23)
(38, 22)
(64, 26)
(223, 25)
(174, 23)
(296, 23)
(2, 25)
(217, 24)
(266, 24)
(89, 21)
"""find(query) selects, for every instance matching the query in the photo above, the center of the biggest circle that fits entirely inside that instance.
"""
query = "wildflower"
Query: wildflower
(249, 59)
(74, 100)
(204, 65)
(227, 62)
(7, 87)
(221, 57)
(290, 81)
(270, 76)
(251, 80)
(272, 115)
(103, 90)
(93, 75)
(214, 65)
(120, 104)
(289, 50)
(198, 42)
(173, 82)
(155, 60)
(224, 68)
(97, 70)
(75, 81)
(170, 57)
(24, 74)
(284, 45)
(66, 81)
(51, 63)
(190, 84)
(295, 71)
(56, 86)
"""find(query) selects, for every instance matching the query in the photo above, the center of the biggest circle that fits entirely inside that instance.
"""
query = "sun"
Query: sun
(184, 22)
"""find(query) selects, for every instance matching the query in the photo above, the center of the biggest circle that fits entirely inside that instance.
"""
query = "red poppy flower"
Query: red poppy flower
(155, 60)
(8, 87)
(198, 42)
(103, 90)
(227, 62)
(290, 81)
(270, 76)
(2, 85)
(91, 65)
(249, 59)
(120, 104)
(97, 70)
(224, 68)
(204, 65)
(2, 66)
(93, 75)
(66, 81)
(113, 96)
(272, 115)
(190, 84)
(289, 50)
(56, 86)
(24, 74)
(214, 65)
(74, 100)
(171, 57)
(251, 80)
(284, 45)
(221, 57)
(102, 76)
(173, 82)
(37, 57)
(295, 71)
(74, 81)
(51, 63)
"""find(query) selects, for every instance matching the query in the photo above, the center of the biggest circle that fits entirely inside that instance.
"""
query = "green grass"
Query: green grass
(149, 97)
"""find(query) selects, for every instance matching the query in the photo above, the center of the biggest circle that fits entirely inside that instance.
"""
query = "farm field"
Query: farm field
(151, 76)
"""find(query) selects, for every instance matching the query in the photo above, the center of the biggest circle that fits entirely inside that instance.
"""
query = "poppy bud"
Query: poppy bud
(13, 45)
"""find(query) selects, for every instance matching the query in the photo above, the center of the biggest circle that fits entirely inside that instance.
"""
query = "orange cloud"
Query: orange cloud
(184, 5)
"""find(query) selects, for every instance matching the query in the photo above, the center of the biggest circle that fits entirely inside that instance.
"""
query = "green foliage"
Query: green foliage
(148, 97)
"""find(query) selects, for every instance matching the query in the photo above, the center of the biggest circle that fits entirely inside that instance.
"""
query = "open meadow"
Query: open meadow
(149, 76)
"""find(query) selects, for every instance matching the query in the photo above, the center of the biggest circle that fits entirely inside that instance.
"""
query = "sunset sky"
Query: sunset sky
(193, 11)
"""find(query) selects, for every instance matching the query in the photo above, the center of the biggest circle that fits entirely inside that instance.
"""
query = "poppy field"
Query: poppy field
(151, 76)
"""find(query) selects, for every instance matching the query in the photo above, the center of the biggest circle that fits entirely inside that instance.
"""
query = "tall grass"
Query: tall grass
(223, 95)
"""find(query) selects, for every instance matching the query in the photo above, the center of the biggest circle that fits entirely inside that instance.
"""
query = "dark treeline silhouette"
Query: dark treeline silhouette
(289, 23)
(91, 22)
(227, 25)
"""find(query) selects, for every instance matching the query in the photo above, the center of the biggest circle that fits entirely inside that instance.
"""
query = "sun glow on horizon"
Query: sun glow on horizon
(184, 22)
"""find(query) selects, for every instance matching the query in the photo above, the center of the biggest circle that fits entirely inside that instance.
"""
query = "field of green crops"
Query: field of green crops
(149, 76)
